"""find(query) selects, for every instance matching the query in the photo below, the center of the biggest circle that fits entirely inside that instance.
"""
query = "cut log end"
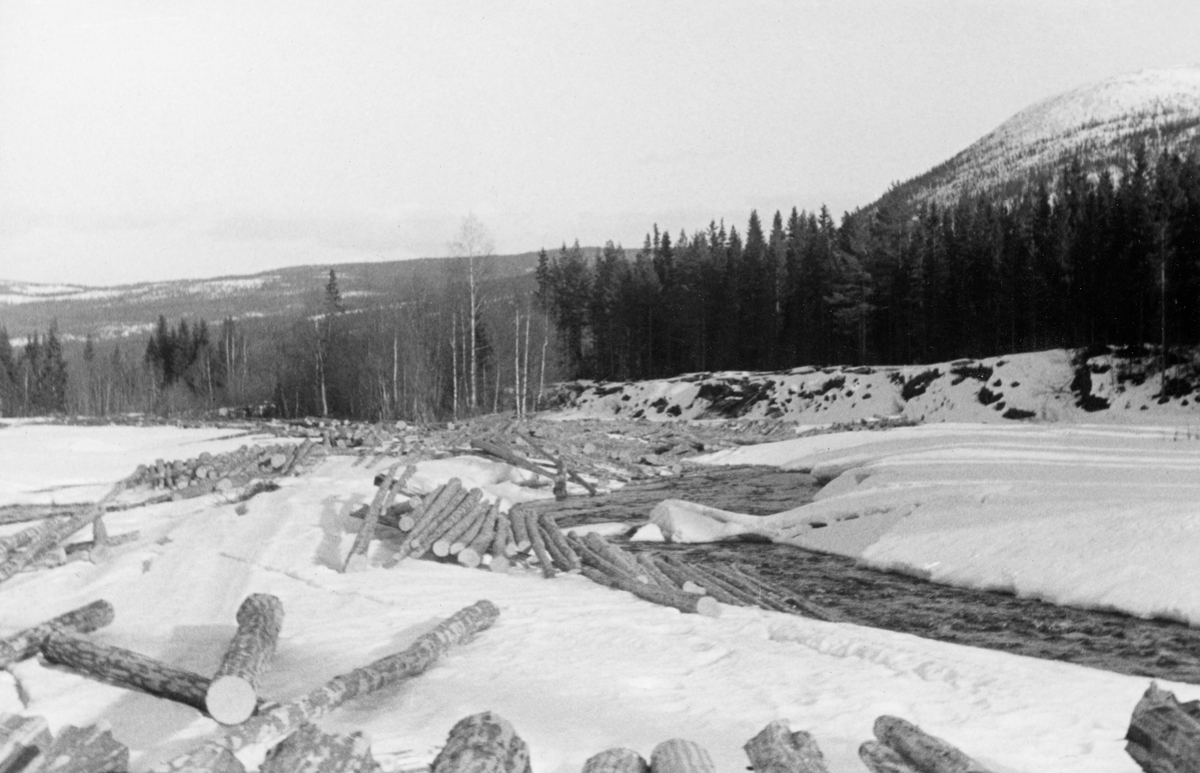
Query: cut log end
(469, 558)
(708, 607)
(230, 700)
(500, 564)
(357, 562)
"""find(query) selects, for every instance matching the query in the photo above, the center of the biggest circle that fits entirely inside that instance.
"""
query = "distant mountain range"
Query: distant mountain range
(123, 310)
(1101, 122)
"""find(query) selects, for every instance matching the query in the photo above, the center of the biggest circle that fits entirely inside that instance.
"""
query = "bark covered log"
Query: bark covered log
(311, 750)
(482, 743)
(424, 535)
(680, 755)
(502, 542)
(461, 525)
(472, 555)
(539, 544)
(1164, 734)
(125, 668)
(924, 752)
(617, 760)
(508, 455)
(883, 759)
(356, 561)
(273, 724)
(597, 561)
(26, 644)
(616, 556)
(656, 575)
(520, 533)
(50, 533)
(776, 749)
(233, 693)
(684, 602)
(83, 750)
(478, 523)
(556, 544)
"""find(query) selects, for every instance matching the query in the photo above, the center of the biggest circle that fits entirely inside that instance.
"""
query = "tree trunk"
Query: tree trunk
(684, 602)
(1164, 734)
(508, 455)
(26, 644)
(125, 669)
(680, 755)
(310, 750)
(482, 743)
(474, 314)
(616, 761)
(925, 752)
(883, 759)
(232, 695)
(525, 375)
(271, 726)
(517, 364)
(776, 749)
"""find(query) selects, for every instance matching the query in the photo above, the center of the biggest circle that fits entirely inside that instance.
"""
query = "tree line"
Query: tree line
(1088, 256)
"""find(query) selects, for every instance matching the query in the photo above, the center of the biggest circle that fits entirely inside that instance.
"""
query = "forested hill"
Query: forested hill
(1100, 124)
(113, 311)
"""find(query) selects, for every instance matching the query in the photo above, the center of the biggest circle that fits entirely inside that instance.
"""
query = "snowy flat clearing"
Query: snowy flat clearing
(1094, 515)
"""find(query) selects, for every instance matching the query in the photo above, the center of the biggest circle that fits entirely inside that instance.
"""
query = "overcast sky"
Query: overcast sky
(152, 140)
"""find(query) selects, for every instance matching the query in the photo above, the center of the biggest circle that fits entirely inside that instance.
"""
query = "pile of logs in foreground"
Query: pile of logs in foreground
(230, 696)
(225, 472)
(455, 524)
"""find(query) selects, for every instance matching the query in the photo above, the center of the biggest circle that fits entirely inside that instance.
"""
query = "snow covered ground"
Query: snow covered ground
(578, 668)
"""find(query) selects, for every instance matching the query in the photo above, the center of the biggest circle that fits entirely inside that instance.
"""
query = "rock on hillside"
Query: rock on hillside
(1101, 121)
(1102, 383)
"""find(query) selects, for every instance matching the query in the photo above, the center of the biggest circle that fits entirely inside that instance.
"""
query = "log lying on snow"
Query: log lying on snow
(273, 724)
(311, 750)
(472, 554)
(125, 668)
(50, 533)
(482, 743)
(27, 643)
(923, 752)
(680, 755)
(776, 749)
(560, 550)
(684, 602)
(883, 759)
(21, 740)
(617, 760)
(83, 750)
(1164, 734)
(233, 693)
(460, 524)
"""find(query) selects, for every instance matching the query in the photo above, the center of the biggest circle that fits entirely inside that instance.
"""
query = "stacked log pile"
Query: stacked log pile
(207, 473)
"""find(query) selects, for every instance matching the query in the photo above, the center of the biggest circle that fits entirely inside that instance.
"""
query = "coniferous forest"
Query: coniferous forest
(1085, 257)
(1109, 257)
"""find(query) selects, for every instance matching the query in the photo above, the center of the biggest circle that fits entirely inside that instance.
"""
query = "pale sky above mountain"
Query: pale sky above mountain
(151, 140)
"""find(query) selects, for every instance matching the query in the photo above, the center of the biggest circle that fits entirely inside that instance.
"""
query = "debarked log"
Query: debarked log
(26, 644)
(482, 743)
(271, 724)
(233, 693)
(776, 749)
(125, 668)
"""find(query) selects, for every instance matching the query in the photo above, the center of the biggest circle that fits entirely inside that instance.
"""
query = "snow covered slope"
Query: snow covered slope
(1101, 384)
(1102, 121)
(574, 666)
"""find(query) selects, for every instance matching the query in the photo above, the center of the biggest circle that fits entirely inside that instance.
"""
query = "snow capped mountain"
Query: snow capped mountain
(1102, 122)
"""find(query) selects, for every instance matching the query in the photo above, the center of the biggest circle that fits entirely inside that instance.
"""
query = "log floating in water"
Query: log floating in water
(924, 752)
(616, 761)
(776, 749)
(125, 668)
(680, 755)
(482, 743)
(233, 693)
(1164, 734)
(271, 725)
(311, 750)
(27, 643)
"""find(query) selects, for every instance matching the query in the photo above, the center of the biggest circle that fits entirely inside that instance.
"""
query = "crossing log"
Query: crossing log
(233, 693)
(27, 643)
(271, 725)
(556, 544)
(776, 749)
(482, 743)
(125, 668)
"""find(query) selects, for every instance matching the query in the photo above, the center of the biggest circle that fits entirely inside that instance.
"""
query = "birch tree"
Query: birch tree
(473, 247)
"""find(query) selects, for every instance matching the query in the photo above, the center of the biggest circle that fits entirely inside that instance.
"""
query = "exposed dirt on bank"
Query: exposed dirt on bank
(1114, 642)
